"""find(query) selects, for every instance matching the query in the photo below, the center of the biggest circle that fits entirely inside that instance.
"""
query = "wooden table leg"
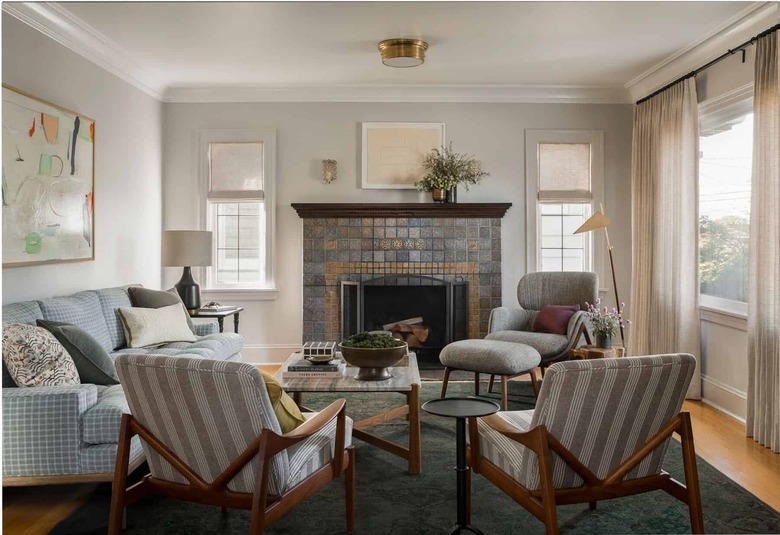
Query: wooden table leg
(235, 322)
(415, 445)
(297, 398)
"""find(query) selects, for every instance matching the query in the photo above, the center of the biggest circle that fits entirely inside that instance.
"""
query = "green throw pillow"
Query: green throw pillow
(145, 298)
(287, 412)
(93, 362)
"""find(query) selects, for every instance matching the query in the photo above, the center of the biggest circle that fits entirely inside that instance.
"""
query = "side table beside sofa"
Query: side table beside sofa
(69, 434)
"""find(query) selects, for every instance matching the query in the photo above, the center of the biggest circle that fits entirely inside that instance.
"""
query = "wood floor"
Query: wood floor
(719, 438)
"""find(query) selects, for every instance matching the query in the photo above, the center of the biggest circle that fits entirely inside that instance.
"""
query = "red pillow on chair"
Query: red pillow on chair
(554, 318)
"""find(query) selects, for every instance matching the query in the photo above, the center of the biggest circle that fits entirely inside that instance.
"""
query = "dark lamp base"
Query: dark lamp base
(189, 290)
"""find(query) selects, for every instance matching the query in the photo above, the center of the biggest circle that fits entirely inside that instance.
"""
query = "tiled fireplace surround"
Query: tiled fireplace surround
(359, 248)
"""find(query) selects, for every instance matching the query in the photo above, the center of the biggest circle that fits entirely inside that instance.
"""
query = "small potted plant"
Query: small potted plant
(605, 322)
(446, 169)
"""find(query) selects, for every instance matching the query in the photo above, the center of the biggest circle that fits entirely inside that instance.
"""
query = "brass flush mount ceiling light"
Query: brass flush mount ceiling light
(403, 52)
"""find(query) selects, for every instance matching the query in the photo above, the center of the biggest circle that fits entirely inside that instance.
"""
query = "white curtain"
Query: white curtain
(665, 207)
(763, 416)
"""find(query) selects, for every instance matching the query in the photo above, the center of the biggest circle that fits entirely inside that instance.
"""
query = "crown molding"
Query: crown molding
(61, 25)
(747, 23)
(403, 93)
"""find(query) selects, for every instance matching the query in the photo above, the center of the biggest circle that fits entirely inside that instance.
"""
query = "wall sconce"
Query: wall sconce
(329, 168)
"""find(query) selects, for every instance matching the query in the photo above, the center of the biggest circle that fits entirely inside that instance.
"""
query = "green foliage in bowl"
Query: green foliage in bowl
(366, 340)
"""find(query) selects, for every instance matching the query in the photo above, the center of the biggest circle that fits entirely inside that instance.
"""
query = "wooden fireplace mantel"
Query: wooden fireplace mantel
(433, 210)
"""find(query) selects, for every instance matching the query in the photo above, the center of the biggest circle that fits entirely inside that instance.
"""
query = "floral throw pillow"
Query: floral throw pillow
(34, 357)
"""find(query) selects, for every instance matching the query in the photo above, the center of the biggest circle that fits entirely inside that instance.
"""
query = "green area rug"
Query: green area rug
(390, 501)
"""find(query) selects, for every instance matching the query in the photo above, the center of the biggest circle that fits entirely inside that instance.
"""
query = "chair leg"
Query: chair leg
(504, 392)
(490, 384)
(541, 367)
(119, 485)
(534, 383)
(691, 475)
(468, 495)
(548, 492)
(349, 487)
(445, 381)
(592, 506)
(476, 383)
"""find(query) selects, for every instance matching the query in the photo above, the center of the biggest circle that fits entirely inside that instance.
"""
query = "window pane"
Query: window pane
(724, 208)
(236, 166)
(240, 243)
(564, 166)
(561, 249)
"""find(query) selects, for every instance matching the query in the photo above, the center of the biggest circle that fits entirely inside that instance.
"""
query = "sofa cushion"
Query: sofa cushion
(218, 346)
(92, 361)
(34, 357)
(155, 326)
(145, 298)
(83, 310)
(110, 301)
(25, 312)
(101, 421)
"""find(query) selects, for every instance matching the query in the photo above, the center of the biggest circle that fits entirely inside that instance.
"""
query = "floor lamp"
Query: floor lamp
(595, 222)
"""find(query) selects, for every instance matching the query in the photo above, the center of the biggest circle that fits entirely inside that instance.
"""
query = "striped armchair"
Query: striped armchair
(600, 430)
(211, 436)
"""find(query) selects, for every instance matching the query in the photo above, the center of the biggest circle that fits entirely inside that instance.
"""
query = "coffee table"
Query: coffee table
(405, 380)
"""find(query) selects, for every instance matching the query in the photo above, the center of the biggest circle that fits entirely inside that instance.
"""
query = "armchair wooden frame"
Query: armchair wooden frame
(542, 503)
(265, 508)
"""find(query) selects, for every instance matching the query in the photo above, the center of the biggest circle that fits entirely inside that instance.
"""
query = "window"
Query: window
(563, 180)
(726, 146)
(239, 175)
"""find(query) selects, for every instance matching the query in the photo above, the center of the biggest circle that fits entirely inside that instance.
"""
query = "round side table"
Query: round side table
(460, 409)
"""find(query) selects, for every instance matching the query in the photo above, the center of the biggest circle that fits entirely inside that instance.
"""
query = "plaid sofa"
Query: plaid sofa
(64, 434)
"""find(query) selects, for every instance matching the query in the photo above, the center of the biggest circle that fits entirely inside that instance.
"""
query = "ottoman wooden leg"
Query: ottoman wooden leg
(490, 384)
(532, 373)
(444, 383)
(476, 383)
(504, 392)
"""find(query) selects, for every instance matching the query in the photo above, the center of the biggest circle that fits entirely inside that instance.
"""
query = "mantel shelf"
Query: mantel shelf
(432, 210)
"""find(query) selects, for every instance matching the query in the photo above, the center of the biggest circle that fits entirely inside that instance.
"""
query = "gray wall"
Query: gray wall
(128, 145)
(309, 132)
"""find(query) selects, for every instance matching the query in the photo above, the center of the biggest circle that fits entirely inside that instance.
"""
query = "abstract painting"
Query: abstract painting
(393, 153)
(48, 182)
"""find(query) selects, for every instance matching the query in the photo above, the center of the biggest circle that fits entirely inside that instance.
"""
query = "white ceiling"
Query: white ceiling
(202, 45)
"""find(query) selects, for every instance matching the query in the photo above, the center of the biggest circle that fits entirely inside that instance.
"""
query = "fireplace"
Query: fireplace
(408, 305)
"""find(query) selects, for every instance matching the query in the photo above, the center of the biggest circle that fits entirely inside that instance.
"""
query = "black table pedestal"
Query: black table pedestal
(462, 472)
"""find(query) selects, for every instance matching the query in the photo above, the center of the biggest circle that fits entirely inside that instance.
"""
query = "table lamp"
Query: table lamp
(187, 248)
(595, 222)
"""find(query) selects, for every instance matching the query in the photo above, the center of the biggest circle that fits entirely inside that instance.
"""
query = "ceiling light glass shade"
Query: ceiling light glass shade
(403, 53)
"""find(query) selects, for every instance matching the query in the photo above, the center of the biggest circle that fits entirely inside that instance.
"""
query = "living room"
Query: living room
(248, 154)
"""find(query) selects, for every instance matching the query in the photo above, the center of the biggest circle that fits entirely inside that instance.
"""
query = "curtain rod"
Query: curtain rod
(723, 56)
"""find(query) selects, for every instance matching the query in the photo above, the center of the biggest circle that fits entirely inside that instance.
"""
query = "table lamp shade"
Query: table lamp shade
(182, 248)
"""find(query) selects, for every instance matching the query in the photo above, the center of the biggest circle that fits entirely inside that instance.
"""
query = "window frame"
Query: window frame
(711, 113)
(596, 249)
(207, 211)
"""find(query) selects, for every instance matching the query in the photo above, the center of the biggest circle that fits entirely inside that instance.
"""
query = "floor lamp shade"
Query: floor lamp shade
(187, 248)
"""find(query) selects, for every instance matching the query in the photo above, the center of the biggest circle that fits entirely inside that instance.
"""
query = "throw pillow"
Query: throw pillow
(287, 412)
(145, 298)
(93, 362)
(554, 318)
(146, 327)
(34, 357)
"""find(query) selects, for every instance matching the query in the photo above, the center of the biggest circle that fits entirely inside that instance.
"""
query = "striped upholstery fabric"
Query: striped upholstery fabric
(110, 301)
(602, 411)
(536, 290)
(42, 431)
(82, 310)
(310, 455)
(207, 412)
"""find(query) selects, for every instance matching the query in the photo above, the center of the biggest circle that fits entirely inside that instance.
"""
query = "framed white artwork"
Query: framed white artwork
(392, 153)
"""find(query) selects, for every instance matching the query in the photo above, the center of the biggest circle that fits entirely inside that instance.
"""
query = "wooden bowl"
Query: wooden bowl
(373, 362)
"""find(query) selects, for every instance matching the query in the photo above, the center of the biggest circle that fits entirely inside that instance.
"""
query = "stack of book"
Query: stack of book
(305, 369)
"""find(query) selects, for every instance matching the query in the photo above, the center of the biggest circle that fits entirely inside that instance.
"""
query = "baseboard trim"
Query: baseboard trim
(725, 398)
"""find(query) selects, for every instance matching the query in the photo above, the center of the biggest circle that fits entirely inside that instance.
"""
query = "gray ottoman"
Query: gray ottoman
(494, 357)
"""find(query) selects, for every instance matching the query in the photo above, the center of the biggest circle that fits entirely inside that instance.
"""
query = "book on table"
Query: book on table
(307, 370)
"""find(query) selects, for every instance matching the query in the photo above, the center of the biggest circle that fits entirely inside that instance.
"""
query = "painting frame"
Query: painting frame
(367, 182)
(90, 126)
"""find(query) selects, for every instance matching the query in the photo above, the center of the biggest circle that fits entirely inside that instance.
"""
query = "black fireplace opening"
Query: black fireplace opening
(427, 312)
